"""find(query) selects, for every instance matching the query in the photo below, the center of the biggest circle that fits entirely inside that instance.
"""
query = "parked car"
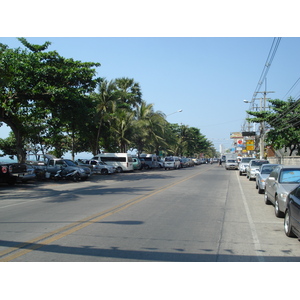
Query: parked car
(253, 167)
(144, 165)
(231, 164)
(171, 162)
(196, 161)
(12, 172)
(63, 167)
(151, 160)
(122, 162)
(282, 180)
(97, 166)
(184, 163)
(137, 164)
(292, 213)
(29, 175)
(84, 163)
(261, 176)
(160, 162)
(190, 162)
(244, 163)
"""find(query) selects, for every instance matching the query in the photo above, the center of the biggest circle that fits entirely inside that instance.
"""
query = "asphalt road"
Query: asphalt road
(200, 214)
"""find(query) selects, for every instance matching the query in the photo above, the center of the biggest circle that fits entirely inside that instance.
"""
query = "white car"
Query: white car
(231, 164)
(171, 162)
(253, 167)
(244, 163)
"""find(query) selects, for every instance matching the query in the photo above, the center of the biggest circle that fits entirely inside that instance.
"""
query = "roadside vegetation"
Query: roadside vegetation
(55, 105)
(282, 124)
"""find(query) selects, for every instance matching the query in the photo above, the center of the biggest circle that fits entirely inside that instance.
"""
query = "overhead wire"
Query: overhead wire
(294, 120)
(269, 60)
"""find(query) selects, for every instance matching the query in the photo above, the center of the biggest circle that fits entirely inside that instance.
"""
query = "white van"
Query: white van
(150, 160)
(172, 162)
(121, 161)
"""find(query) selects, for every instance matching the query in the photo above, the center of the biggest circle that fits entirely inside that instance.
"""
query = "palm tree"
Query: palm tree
(149, 127)
(122, 127)
(106, 101)
(129, 92)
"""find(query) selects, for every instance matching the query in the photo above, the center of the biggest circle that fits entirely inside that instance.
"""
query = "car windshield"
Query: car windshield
(259, 163)
(70, 163)
(231, 161)
(169, 159)
(246, 159)
(290, 176)
(267, 170)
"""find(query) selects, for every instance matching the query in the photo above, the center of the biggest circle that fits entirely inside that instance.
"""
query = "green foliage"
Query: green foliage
(283, 121)
(41, 88)
(56, 104)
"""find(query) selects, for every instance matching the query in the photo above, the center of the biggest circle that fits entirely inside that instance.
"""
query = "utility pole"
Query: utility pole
(262, 125)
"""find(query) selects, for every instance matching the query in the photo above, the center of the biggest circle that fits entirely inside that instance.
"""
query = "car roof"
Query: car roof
(289, 166)
(256, 159)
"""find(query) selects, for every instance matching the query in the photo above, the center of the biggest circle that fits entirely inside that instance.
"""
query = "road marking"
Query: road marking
(19, 250)
(256, 242)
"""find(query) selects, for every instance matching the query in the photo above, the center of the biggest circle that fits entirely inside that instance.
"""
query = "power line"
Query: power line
(297, 81)
(271, 55)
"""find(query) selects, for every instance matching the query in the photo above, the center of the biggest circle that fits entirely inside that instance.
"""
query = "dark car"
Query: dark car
(292, 214)
(13, 172)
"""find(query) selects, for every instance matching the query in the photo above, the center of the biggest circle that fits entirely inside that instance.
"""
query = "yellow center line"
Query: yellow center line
(57, 234)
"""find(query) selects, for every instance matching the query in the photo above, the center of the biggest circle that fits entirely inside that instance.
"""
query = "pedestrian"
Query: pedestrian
(220, 162)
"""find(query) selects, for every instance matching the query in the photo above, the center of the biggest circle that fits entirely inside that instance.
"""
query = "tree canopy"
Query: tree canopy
(57, 104)
(283, 124)
(40, 88)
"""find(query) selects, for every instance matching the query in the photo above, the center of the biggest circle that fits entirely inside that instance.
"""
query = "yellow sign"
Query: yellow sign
(250, 145)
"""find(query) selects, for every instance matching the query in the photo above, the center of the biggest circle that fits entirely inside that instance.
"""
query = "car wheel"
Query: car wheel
(287, 225)
(119, 170)
(278, 213)
(267, 201)
(260, 191)
(75, 177)
(240, 173)
(104, 171)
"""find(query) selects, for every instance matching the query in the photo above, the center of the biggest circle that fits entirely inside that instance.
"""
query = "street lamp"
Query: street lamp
(180, 110)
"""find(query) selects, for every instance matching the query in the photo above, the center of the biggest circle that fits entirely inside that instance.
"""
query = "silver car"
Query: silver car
(282, 180)
(101, 167)
(261, 176)
(253, 167)
(97, 166)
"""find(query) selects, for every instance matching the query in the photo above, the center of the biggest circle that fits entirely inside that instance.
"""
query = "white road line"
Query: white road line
(257, 246)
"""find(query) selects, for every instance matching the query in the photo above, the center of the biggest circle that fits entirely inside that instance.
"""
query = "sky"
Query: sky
(204, 57)
(207, 76)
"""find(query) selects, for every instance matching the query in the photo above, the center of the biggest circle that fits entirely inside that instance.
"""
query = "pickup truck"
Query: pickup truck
(52, 165)
(12, 172)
